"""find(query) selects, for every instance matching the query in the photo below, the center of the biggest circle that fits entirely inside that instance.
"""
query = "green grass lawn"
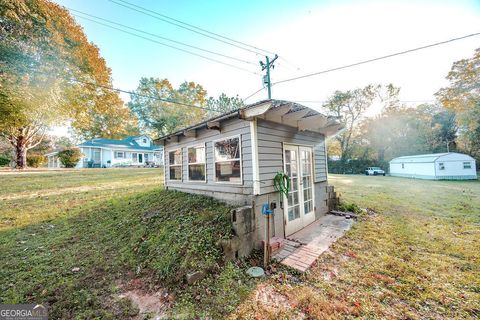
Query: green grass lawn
(417, 258)
(77, 240)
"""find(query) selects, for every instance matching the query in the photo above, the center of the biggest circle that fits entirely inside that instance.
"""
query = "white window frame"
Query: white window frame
(441, 166)
(239, 159)
(124, 154)
(176, 165)
(469, 164)
(204, 145)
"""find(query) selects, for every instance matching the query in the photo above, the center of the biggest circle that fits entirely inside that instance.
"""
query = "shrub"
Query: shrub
(36, 160)
(4, 161)
(69, 157)
(349, 207)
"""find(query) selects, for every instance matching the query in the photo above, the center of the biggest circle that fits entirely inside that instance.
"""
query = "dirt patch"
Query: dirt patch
(268, 297)
(150, 305)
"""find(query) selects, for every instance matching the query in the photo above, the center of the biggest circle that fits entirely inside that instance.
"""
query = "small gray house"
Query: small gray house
(236, 156)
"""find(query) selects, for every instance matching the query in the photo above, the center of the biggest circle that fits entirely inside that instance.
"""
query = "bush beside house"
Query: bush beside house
(4, 161)
(69, 157)
(36, 160)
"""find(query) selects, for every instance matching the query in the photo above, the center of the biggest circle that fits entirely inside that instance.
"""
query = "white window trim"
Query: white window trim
(116, 157)
(176, 165)
(204, 145)
(441, 166)
(239, 159)
(469, 164)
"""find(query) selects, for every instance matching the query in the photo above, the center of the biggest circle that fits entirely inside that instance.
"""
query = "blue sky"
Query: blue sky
(310, 35)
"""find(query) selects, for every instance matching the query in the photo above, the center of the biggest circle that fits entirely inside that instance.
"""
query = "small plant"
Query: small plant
(4, 161)
(349, 207)
(36, 160)
(69, 157)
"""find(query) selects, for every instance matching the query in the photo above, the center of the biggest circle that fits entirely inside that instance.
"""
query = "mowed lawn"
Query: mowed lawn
(35, 196)
(418, 257)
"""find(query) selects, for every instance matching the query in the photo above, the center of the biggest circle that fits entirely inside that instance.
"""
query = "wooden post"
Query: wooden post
(266, 246)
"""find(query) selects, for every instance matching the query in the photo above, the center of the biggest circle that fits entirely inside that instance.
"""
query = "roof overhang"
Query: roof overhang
(294, 115)
(279, 111)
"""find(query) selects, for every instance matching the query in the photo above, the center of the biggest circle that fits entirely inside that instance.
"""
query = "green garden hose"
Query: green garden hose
(281, 183)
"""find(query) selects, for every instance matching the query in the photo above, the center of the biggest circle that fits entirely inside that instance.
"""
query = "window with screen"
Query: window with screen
(441, 166)
(227, 160)
(119, 154)
(175, 164)
(196, 163)
(467, 165)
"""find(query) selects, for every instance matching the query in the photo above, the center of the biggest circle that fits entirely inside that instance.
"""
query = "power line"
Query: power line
(164, 38)
(166, 45)
(324, 101)
(378, 58)
(142, 95)
(251, 95)
(190, 27)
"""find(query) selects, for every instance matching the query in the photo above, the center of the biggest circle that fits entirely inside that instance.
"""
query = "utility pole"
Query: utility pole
(266, 78)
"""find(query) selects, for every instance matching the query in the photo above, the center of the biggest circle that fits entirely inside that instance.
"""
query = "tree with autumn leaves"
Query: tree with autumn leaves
(462, 98)
(50, 74)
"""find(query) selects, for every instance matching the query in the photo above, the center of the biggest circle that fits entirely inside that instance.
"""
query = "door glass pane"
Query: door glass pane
(307, 186)
(293, 198)
(294, 184)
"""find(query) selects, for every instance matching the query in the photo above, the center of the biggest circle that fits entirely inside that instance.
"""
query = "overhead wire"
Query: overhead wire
(164, 38)
(191, 27)
(378, 58)
(141, 95)
(251, 95)
(167, 45)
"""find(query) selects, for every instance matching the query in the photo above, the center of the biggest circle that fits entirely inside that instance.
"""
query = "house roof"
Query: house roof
(128, 143)
(278, 111)
(432, 157)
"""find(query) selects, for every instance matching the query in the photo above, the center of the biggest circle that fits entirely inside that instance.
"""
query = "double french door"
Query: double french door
(299, 204)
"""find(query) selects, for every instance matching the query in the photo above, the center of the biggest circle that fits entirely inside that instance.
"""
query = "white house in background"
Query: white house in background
(436, 166)
(105, 153)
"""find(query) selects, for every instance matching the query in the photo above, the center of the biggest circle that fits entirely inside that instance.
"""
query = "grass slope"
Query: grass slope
(418, 258)
(120, 229)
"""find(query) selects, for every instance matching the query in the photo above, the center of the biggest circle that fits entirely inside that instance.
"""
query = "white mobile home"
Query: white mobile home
(436, 166)
(235, 158)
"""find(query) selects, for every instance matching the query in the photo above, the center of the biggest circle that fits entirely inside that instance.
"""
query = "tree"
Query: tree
(49, 74)
(158, 117)
(350, 106)
(463, 98)
(224, 104)
(69, 157)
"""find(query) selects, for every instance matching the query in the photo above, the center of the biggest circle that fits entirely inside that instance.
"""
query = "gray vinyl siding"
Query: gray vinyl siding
(232, 127)
(271, 137)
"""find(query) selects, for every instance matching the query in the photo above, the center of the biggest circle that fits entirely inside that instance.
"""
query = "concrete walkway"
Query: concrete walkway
(301, 249)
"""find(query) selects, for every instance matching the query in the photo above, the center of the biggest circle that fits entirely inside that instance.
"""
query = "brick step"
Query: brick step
(276, 244)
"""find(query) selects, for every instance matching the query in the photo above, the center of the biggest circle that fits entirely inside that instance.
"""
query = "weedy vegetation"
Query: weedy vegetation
(76, 240)
(414, 257)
